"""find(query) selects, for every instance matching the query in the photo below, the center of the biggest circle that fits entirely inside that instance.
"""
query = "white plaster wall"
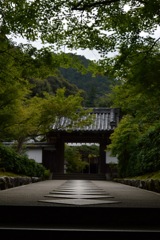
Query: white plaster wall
(35, 154)
(110, 159)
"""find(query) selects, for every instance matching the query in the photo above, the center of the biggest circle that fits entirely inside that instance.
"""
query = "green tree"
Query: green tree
(138, 93)
(108, 26)
(27, 124)
(74, 160)
(61, 112)
(36, 116)
(138, 97)
(20, 112)
(13, 88)
(123, 143)
(86, 150)
(147, 154)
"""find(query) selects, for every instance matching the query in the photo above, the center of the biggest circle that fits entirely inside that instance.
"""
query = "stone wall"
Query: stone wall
(150, 184)
(10, 182)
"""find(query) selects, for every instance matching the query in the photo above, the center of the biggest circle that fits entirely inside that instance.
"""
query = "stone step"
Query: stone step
(78, 176)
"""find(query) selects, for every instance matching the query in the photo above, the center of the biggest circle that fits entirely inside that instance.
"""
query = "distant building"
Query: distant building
(105, 121)
(51, 153)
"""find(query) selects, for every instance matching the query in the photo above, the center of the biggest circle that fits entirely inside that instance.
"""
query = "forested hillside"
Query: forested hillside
(95, 88)
(51, 84)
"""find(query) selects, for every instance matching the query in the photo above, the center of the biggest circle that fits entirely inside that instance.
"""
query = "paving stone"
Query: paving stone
(79, 189)
(73, 192)
(78, 196)
(78, 192)
(79, 201)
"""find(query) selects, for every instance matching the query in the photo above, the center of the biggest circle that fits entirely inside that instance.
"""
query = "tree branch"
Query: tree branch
(84, 6)
(81, 7)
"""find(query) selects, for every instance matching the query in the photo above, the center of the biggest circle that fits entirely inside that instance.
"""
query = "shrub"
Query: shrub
(19, 164)
(148, 152)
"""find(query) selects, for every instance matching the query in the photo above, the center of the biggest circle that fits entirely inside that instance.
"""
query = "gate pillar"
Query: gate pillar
(102, 161)
(59, 156)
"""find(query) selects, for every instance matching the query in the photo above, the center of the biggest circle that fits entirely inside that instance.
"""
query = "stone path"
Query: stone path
(82, 193)
(79, 192)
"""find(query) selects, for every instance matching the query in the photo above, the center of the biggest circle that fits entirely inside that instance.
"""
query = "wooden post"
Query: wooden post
(59, 156)
(102, 161)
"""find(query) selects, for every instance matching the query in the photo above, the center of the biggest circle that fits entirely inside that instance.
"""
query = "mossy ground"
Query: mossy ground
(8, 174)
(153, 175)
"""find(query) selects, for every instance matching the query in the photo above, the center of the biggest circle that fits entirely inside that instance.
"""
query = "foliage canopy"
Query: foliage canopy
(126, 28)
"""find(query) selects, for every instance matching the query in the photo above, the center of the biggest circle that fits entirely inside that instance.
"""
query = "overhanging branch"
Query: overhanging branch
(83, 6)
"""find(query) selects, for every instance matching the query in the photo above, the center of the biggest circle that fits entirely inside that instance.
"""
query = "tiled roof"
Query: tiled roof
(105, 119)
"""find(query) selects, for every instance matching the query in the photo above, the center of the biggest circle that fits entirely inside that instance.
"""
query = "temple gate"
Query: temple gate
(106, 119)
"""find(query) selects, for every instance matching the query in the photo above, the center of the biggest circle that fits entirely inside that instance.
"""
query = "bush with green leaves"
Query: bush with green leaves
(74, 160)
(138, 152)
(123, 143)
(19, 164)
(147, 152)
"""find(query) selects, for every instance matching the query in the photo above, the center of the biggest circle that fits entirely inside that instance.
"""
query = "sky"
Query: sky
(89, 54)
